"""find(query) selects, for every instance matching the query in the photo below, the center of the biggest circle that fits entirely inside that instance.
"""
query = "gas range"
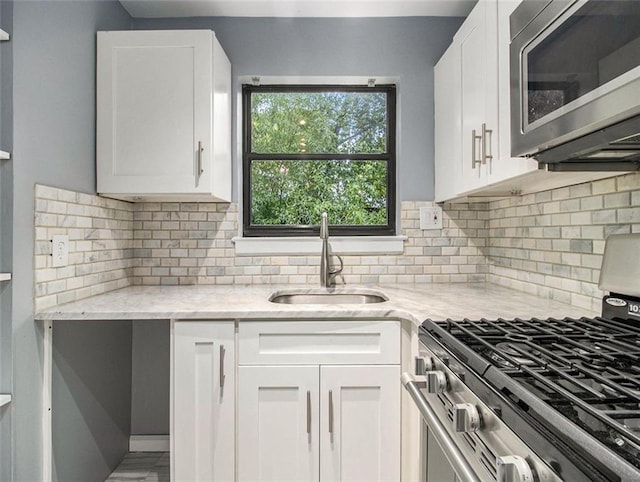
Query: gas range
(544, 399)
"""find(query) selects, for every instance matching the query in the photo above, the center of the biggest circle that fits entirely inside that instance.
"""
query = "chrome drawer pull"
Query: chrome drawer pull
(330, 411)
(222, 353)
(308, 411)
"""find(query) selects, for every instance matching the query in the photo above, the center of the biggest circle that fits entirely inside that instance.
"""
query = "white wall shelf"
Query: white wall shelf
(5, 155)
(4, 399)
(3, 35)
(5, 276)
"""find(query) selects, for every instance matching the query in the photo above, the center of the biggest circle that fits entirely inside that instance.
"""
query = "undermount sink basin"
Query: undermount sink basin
(327, 298)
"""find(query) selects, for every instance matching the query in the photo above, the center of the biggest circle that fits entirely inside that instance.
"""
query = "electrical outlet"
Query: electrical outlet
(60, 250)
(431, 218)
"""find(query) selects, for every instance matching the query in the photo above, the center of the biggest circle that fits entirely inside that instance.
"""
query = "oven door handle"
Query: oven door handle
(450, 449)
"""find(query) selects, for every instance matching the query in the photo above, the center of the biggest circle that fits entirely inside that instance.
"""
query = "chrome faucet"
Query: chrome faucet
(327, 275)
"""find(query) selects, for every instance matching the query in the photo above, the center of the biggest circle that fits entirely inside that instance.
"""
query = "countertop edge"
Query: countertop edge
(413, 303)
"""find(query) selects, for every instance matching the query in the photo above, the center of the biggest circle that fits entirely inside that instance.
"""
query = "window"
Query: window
(312, 149)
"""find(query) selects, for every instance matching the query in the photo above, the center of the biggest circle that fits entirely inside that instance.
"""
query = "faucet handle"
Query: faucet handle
(339, 270)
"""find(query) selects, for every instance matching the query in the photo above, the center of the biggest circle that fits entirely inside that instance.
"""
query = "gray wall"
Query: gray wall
(407, 48)
(91, 398)
(53, 143)
(150, 378)
(404, 47)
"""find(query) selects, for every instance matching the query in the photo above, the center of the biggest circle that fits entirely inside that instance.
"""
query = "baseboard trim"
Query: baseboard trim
(149, 443)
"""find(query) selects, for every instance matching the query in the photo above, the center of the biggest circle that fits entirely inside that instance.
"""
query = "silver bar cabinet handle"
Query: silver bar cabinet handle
(308, 411)
(200, 150)
(486, 132)
(222, 353)
(449, 447)
(330, 411)
(474, 139)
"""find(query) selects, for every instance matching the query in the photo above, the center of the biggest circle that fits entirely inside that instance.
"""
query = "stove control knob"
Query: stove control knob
(424, 364)
(436, 381)
(466, 417)
(512, 468)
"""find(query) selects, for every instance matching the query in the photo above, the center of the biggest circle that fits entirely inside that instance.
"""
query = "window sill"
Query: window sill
(355, 245)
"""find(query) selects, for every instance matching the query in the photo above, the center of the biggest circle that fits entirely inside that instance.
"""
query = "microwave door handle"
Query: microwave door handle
(452, 452)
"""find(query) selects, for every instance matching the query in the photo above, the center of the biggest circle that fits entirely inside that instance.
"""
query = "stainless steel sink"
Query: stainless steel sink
(327, 298)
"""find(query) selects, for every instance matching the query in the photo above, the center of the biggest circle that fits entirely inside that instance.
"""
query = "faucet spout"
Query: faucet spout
(324, 227)
(327, 275)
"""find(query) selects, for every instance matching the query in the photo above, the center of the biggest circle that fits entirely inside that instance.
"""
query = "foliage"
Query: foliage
(296, 192)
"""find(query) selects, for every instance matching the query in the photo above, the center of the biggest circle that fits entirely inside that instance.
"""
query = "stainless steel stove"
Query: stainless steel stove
(533, 399)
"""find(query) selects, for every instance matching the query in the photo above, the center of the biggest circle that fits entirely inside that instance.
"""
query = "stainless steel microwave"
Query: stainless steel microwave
(575, 83)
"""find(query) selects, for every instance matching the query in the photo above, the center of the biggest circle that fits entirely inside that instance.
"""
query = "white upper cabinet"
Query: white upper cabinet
(472, 128)
(472, 115)
(448, 168)
(477, 94)
(504, 166)
(163, 116)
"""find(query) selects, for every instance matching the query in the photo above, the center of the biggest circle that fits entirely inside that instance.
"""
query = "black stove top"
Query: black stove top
(576, 379)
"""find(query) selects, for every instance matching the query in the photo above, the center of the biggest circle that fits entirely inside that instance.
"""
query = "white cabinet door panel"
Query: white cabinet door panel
(505, 166)
(360, 423)
(203, 399)
(448, 169)
(278, 423)
(141, 78)
(326, 342)
(154, 99)
(472, 40)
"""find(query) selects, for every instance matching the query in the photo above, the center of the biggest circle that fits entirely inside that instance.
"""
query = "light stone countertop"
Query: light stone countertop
(406, 302)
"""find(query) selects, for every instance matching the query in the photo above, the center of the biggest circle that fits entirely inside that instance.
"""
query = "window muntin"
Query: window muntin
(310, 149)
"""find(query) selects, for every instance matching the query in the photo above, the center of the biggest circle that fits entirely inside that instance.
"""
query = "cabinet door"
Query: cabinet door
(154, 98)
(475, 63)
(278, 423)
(504, 166)
(448, 168)
(360, 423)
(202, 438)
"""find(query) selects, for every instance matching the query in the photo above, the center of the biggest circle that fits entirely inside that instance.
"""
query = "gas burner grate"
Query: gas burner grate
(588, 369)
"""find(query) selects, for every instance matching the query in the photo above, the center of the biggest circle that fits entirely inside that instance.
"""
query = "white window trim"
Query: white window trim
(306, 245)
(303, 245)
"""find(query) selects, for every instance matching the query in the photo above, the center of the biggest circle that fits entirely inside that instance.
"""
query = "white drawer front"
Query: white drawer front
(319, 342)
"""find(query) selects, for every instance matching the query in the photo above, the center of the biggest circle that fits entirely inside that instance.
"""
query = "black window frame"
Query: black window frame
(310, 230)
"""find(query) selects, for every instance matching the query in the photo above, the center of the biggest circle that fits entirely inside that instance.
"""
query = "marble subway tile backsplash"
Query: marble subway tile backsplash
(100, 245)
(549, 244)
(115, 244)
(191, 243)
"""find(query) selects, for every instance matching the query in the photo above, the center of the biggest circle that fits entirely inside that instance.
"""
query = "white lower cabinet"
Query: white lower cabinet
(360, 423)
(316, 401)
(278, 423)
(319, 421)
(203, 401)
